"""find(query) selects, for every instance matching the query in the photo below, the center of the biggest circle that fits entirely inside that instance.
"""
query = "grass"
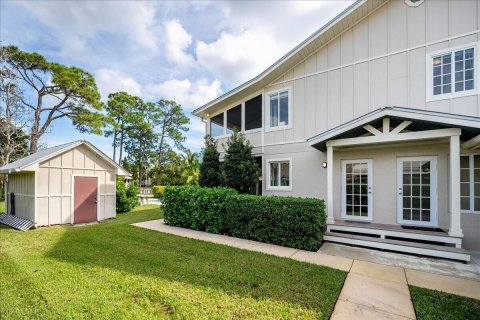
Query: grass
(2, 207)
(436, 305)
(115, 270)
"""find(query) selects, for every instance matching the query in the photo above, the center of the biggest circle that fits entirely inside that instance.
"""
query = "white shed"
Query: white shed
(70, 183)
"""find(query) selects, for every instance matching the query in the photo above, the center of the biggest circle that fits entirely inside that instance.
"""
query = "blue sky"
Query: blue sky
(190, 52)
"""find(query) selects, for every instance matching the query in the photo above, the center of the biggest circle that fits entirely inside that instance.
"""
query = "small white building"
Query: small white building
(66, 184)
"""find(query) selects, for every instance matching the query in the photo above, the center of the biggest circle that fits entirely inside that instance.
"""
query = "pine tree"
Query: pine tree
(240, 170)
(210, 169)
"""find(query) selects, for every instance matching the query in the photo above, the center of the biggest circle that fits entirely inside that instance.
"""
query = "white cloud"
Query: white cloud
(109, 81)
(186, 93)
(135, 20)
(177, 41)
(236, 59)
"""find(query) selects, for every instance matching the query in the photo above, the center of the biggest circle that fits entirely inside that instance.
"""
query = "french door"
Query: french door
(417, 191)
(357, 189)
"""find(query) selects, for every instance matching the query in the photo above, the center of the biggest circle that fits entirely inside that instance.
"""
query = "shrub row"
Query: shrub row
(196, 208)
(285, 221)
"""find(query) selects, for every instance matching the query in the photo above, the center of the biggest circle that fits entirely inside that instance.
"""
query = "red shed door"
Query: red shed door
(85, 197)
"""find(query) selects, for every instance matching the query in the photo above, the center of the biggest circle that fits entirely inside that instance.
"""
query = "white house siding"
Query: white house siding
(55, 185)
(380, 61)
(23, 186)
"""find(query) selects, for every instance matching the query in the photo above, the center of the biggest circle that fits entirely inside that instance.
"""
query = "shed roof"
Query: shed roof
(28, 163)
(346, 19)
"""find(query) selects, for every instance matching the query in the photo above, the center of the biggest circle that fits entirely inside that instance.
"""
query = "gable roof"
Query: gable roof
(28, 163)
(423, 119)
(346, 19)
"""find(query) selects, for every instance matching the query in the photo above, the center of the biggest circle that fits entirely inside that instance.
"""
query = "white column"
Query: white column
(330, 219)
(455, 217)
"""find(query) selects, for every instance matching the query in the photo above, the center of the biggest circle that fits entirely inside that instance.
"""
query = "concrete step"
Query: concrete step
(399, 246)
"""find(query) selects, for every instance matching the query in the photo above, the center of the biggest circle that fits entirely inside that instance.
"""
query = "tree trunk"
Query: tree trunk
(122, 135)
(115, 145)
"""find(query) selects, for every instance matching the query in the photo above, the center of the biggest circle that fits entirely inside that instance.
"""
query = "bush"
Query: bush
(196, 208)
(210, 169)
(158, 191)
(127, 198)
(285, 221)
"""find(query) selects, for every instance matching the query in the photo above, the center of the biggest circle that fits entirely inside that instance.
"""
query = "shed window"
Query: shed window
(253, 113)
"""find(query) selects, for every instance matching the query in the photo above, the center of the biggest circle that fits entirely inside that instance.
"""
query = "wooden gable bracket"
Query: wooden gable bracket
(386, 127)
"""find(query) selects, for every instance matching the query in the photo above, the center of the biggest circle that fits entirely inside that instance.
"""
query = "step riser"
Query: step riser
(382, 233)
(400, 248)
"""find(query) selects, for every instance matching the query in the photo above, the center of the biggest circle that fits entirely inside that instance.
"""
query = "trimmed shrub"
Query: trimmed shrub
(158, 191)
(196, 208)
(127, 198)
(285, 221)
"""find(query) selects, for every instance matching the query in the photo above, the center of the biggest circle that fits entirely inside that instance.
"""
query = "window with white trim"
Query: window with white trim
(279, 109)
(280, 174)
(470, 183)
(453, 72)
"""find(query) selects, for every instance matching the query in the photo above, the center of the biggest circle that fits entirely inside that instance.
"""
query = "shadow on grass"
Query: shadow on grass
(118, 245)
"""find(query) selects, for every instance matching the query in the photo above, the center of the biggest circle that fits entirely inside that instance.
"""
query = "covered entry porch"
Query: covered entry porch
(393, 180)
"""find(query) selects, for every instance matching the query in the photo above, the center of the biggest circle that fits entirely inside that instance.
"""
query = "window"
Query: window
(279, 174)
(217, 125)
(253, 113)
(234, 119)
(279, 109)
(470, 183)
(453, 72)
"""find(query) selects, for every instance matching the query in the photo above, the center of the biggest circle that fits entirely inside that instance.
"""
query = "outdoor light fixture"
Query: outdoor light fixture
(324, 164)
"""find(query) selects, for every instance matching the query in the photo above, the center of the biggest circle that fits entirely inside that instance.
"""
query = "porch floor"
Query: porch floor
(395, 238)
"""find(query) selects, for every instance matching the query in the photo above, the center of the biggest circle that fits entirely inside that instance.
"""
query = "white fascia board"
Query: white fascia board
(409, 136)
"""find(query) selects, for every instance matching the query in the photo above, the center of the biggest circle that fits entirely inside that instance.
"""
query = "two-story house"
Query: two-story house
(378, 113)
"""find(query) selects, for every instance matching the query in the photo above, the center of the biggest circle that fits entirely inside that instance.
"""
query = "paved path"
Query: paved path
(371, 290)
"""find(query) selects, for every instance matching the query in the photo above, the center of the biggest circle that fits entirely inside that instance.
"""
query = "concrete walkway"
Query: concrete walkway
(371, 290)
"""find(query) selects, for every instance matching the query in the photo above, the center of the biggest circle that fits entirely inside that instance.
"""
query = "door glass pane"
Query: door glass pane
(416, 199)
(356, 180)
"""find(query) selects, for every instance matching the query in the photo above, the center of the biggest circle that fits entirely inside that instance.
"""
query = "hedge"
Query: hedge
(285, 221)
(195, 207)
(157, 191)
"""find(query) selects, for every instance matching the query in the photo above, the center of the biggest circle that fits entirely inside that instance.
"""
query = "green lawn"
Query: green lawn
(435, 305)
(114, 270)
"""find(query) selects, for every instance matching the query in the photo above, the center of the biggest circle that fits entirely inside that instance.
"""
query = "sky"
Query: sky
(190, 52)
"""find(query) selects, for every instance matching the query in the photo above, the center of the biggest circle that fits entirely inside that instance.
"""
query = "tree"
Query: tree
(119, 110)
(191, 167)
(13, 122)
(140, 140)
(171, 124)
(210, 169)
(57, 91)
(240, 170)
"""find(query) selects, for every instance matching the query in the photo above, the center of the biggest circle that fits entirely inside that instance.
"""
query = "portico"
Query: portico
(397, 159)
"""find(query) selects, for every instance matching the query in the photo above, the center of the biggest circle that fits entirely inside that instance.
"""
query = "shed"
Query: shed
(67, 184)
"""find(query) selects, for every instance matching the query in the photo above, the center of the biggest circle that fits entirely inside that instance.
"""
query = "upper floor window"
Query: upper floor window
(453, 73)
(234, 119)
(253, 113)
(279, 105)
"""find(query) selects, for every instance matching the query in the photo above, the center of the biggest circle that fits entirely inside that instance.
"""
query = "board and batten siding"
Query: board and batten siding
(55, 180)
(23, 186)
(379, 61)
